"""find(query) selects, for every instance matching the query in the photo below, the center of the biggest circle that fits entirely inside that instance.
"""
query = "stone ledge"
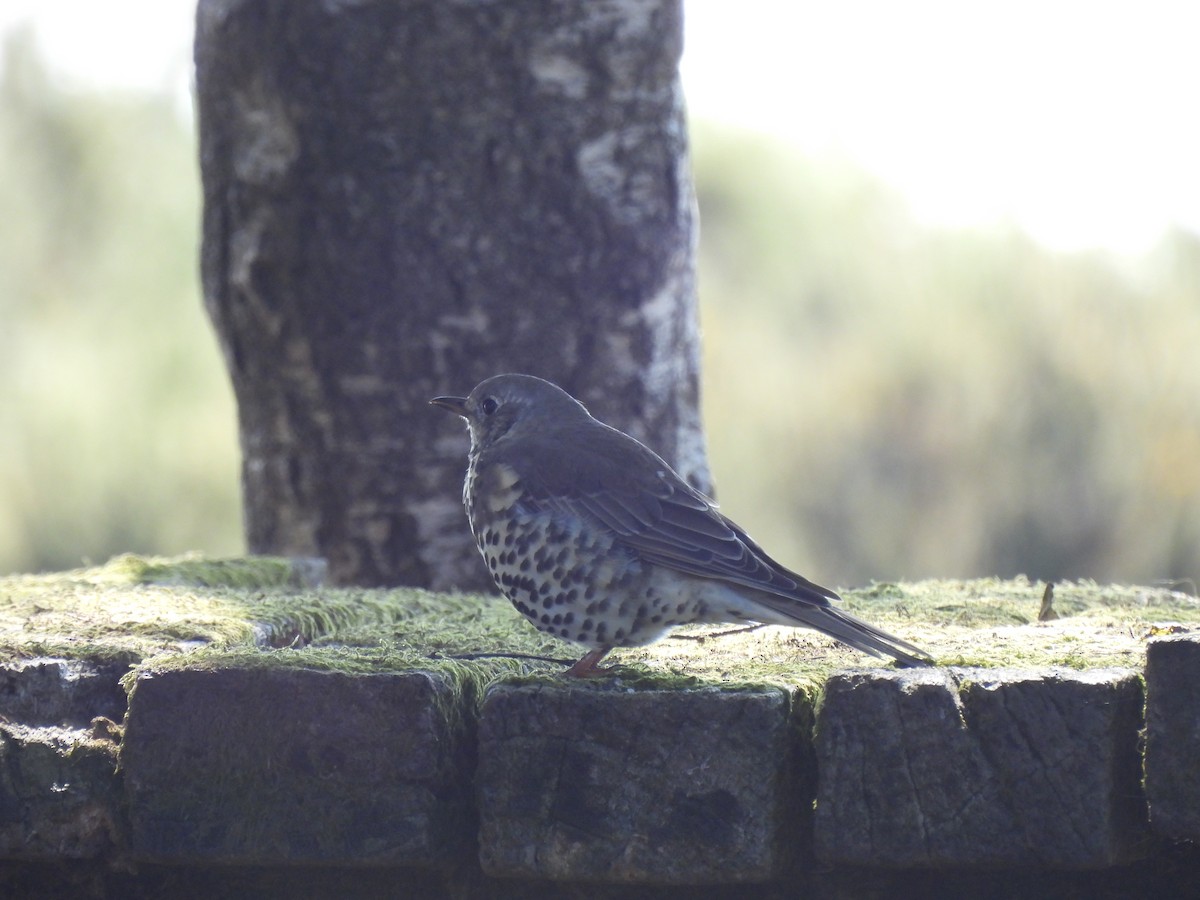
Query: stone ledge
(576, 784)
(366, 751)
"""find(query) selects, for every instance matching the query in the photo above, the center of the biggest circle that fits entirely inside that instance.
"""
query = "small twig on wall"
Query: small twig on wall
(1046, 613)
(716, 634)
(528, 656)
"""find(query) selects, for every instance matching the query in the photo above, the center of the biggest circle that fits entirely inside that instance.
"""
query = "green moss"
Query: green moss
(466, 679)
(994, 622)
(194, 570)
(191, 612)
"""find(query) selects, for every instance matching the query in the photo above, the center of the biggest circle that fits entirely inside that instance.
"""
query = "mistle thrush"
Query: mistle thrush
(596, 540)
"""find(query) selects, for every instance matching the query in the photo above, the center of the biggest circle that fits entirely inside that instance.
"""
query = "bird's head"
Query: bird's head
(513, 405)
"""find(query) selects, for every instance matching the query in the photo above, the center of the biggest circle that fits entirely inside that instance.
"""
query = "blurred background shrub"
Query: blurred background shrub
(883, 400)
(117, 428)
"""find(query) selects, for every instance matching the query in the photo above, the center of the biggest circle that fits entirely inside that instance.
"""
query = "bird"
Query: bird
(596, 540)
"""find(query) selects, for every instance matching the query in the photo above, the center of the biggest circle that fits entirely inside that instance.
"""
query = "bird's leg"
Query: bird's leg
(587, 668)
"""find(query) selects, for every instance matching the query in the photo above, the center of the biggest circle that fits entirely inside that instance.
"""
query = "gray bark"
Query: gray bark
(401, 199)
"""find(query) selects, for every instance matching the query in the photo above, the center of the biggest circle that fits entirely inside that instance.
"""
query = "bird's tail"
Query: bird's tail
(850, 630)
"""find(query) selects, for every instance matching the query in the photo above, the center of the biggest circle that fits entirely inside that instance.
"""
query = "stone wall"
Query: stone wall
(233, 780)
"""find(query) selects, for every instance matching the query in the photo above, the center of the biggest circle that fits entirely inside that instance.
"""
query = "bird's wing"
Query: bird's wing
(630, 490)
(617, 483)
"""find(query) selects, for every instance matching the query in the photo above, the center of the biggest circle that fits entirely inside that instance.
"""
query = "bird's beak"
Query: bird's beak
(456, 405)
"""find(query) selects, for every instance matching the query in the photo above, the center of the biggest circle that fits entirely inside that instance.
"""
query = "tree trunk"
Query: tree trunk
(403, 198)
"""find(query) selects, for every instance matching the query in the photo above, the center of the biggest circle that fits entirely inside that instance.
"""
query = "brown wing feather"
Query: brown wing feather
(661, 518)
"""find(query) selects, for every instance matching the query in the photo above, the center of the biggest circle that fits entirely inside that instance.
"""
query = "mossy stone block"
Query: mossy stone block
(934, 768)
(53, 691)
(266, 766)
(601, 784)
(1173, 736)
(59, 793)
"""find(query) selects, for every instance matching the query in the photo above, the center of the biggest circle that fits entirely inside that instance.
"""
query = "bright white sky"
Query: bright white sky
(1076, 120)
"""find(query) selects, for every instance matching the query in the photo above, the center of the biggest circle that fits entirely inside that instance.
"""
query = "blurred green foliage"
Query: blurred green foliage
(888, 401)
(882, 400)
(117, 425)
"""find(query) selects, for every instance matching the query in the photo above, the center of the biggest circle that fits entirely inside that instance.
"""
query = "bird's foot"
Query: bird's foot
(587, 668)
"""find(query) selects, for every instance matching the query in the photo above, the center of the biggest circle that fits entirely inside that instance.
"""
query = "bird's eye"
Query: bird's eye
(489, 405)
